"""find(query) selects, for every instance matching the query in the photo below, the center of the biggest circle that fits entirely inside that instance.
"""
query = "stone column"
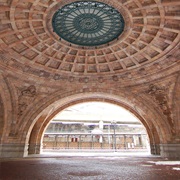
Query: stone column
(67, 142)
(101, 128)
(55, 142)
(140, 140)
(125, 146)
(79, 142)
(92, 142)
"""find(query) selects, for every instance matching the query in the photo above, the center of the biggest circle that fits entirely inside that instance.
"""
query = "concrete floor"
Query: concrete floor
(89, 167)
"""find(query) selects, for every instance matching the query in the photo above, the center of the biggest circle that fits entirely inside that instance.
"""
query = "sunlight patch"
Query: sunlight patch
(165, 162)
(175, 168)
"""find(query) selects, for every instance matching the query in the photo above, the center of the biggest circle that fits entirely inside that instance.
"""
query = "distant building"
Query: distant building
(95, 135)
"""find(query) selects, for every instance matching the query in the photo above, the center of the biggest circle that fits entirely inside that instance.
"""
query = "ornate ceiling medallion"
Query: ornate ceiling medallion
(88, 23)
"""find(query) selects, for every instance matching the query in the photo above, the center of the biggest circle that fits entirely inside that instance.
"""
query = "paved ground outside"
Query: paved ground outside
(90, 166)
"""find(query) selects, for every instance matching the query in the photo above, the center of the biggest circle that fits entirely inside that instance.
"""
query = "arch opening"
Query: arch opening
(37, 129)
(95, 127)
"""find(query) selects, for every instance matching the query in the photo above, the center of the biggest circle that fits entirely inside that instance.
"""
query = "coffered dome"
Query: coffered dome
(89, 38)
(88, 23)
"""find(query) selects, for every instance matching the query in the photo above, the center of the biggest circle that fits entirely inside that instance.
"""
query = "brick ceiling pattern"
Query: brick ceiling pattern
(152, 30)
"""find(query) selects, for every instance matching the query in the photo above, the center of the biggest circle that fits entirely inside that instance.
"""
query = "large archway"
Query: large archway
(95, 127)
(155, 129)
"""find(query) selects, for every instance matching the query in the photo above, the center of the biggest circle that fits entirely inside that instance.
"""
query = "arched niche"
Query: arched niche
(37, 129)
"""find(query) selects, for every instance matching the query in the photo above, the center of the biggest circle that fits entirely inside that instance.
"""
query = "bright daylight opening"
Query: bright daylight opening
(95, 127)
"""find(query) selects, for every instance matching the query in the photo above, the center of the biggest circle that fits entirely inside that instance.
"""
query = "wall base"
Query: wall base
(13, 150)
(170, 151)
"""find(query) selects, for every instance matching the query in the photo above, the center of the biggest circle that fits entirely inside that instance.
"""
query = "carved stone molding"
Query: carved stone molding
(160, 96)
(27, 96)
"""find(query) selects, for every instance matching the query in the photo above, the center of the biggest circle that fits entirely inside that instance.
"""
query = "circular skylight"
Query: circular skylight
(88, 23)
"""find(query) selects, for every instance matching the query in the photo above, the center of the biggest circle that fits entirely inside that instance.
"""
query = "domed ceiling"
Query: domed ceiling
(112, 38)
(88, 23)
